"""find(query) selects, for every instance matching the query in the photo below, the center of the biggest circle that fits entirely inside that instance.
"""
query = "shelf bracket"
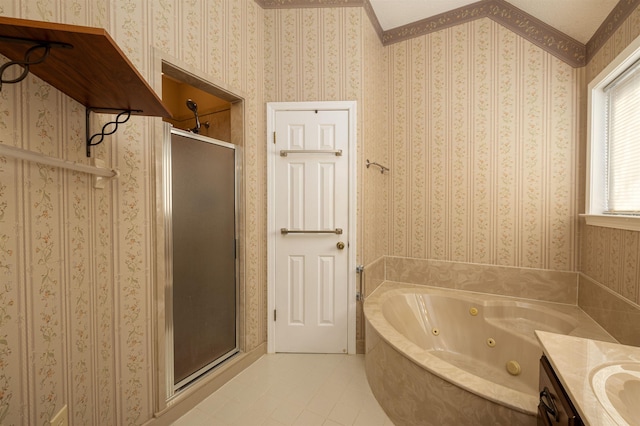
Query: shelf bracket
(109, 128)
(36, 54)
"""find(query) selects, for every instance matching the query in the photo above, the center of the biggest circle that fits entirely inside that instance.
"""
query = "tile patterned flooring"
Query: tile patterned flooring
(293, 389)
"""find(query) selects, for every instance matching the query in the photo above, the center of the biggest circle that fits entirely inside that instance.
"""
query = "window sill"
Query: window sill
(630, 223)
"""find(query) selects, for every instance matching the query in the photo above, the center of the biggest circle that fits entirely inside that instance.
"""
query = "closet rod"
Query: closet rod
(23, 154)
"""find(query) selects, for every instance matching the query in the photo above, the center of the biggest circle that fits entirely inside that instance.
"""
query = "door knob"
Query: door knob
(340, 245)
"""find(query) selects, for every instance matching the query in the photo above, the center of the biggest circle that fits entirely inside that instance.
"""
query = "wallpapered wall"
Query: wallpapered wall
(611, 256)
(375, 147)
(328, 54)
(98, 321)
(478, 126)
(484, 149)
(77, 264)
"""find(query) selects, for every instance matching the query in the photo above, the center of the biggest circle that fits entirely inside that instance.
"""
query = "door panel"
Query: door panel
(203, 254)
(311, 297)
(326, 290)
(296, 195)
(296, 290)
(326, 193)
(296, 136)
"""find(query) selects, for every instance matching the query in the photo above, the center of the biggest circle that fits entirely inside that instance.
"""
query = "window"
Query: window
(613, 166)
(622, 142)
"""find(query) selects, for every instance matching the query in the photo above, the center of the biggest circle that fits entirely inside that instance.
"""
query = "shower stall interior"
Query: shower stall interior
(201, 206)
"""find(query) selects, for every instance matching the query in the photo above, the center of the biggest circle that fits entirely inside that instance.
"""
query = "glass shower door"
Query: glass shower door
(203, 246)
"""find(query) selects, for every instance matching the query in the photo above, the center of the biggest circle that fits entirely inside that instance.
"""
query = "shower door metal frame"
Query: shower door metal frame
(168, 131)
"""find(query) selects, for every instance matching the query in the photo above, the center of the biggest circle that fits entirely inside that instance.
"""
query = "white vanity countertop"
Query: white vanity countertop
(576, 361)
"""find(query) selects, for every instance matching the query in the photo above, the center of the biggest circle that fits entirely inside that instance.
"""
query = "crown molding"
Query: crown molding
(618, 15)
(368, 8)
(297, 4)
(537, 32)
(520, 22)
(436, 23)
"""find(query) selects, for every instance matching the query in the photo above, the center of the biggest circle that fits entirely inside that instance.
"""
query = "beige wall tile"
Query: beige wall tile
(411, 395)
(613, 312)
(374, 275)
(553, 286)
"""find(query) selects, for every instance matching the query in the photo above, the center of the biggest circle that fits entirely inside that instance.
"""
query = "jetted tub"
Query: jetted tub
(447, 357)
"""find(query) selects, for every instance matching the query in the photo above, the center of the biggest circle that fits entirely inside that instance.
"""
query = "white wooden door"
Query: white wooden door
(311, 211)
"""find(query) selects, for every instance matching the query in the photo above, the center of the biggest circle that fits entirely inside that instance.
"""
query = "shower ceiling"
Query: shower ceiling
(576, 18)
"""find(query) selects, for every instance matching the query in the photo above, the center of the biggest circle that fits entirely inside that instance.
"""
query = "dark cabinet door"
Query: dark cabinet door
(554, 408)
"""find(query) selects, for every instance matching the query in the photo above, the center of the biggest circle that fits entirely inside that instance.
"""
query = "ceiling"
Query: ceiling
(577, 18)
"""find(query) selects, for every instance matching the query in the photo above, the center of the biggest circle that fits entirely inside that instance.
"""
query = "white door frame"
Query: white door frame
(272, 233)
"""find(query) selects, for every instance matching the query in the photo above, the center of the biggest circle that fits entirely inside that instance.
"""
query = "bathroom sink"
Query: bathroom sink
(617, 387)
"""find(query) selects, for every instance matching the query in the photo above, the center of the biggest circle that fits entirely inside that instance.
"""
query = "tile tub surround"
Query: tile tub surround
(410, 395)
(540, 284)
(619, 316)
(575, 369)
(386, 346)
(374, 275)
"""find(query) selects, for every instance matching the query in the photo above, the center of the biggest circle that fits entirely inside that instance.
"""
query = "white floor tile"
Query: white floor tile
(212, 404)
(344, 413)
(287, 412)
(231, 411)
(271, 422)
(293, 389)
(308, 418)
(367, 417)
(194, 417)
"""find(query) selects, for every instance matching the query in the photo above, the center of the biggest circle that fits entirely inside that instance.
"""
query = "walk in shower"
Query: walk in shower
(201, 206)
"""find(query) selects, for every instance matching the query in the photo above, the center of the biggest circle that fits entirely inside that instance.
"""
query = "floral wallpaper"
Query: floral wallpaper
(484, 144)
(330, 54)
(325, 54)
(478, 126)
(375, 147)
(611, 256)
(77, 264)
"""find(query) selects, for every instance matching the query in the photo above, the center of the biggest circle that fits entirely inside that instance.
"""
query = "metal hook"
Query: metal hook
(382, 168)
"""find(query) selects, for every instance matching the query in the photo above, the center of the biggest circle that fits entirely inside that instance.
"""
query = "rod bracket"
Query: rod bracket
(382, 168)
(36, 54)
(109, 128)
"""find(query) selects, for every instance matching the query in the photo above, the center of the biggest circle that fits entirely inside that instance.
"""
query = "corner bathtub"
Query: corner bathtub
(447, 357)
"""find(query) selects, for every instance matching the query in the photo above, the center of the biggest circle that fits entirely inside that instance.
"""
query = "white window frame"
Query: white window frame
(596, 120)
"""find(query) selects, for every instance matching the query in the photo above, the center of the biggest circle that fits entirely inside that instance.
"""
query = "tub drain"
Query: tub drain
(513, 367)
(491, 342)
(435, 331)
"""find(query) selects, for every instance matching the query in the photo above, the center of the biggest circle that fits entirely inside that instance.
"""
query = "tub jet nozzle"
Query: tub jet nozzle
(513, 367)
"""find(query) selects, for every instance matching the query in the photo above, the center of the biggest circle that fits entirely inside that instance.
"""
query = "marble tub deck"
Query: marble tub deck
(413, 385)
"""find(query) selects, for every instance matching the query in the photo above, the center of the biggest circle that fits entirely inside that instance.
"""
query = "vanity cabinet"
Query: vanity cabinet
(555, 407)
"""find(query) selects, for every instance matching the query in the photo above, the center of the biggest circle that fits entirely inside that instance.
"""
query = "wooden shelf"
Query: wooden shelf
(94, 72)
